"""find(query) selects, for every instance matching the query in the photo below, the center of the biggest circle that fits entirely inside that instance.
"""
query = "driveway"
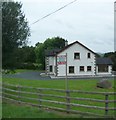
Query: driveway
(29, 75)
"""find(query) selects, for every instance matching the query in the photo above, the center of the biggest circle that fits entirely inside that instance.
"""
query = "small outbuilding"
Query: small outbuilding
(103, 66)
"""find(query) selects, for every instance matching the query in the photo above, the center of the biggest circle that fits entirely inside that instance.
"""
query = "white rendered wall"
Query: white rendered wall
(83, 61)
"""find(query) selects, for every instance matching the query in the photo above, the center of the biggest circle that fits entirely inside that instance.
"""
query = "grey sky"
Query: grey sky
(91, 22)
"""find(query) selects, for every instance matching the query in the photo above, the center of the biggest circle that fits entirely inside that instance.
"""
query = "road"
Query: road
(29, 75)
(35, 75)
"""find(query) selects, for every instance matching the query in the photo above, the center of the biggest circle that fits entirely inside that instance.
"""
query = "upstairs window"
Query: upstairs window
(81, 68)
(76, 55)
(88, 55)
(88, 68)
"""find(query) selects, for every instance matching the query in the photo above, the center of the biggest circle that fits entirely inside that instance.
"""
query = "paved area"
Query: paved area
(29, 75)
(35, 75)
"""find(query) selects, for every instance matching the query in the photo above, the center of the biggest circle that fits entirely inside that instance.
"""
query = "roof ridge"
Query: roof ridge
(73, 44)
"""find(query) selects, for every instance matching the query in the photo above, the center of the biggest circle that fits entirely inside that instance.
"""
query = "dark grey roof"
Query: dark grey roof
(106, 61)
(52, 52)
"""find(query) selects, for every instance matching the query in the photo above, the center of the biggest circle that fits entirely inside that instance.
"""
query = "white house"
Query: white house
(75, 59)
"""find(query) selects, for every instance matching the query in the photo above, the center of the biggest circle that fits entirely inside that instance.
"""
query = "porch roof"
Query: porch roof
(106, 61)
(52, 52)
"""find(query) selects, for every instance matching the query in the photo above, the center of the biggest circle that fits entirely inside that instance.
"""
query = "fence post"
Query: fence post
(67, 100)
(19, 94)
(106, 104)
(39, 98)
(3, 91)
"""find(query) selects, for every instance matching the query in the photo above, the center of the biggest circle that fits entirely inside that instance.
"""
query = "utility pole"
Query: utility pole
(66, 74)
(115, 26)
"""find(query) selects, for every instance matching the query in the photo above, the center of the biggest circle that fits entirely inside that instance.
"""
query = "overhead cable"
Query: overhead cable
(53, 12)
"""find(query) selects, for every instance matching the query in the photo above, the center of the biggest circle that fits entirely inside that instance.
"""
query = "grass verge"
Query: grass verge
(20, 111)
(85, 85)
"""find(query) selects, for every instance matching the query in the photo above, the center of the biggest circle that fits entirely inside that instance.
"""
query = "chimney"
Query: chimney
(66, 42)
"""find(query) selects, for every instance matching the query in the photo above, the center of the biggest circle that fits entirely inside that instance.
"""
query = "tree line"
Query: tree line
(16, 54)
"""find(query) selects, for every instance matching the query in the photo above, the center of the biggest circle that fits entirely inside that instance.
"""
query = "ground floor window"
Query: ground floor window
(102, 68)
(81, 68)
(71, 69)
(88, 68)
(51, 68)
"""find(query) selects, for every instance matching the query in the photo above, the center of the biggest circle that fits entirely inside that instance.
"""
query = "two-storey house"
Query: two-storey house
(74, 59)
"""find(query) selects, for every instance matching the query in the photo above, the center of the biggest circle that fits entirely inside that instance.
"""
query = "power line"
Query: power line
(53, 12)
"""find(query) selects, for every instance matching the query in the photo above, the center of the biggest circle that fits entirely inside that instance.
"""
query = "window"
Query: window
(88, 68)
(51, 68)
(102, 68)
(76, 55)
(88, 55)
(81, 68)
(71, 69)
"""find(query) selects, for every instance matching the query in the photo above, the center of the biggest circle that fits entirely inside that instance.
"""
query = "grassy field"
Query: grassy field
(84, 85)
(16, 111)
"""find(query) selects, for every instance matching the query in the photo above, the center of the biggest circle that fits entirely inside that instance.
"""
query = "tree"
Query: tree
(25, 58)
(15, 32)
(49, 44)
(25, 54)
(55, 42)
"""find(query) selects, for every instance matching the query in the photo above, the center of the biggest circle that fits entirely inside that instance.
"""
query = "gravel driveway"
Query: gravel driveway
(29, 75)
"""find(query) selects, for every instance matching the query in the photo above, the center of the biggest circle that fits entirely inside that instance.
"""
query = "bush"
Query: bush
(8, 71)
(30, 66)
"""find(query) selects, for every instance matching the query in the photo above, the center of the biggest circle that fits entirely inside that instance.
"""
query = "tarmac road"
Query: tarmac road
(29, 75)
(35, 75)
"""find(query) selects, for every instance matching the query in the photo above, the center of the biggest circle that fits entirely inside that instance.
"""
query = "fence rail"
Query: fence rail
(40, 99)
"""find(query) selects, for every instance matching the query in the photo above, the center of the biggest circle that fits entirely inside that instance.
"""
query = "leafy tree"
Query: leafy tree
(25, 58)
(15, 32)
(37, 44)
(55, 42)
(26, 54)
(49, 44)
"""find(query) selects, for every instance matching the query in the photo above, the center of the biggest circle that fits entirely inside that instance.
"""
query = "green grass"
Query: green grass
(21, 70)
(84, 85)
(16, 111)
(10, 110)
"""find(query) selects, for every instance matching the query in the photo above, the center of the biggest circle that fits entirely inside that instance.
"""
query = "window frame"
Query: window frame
(70, 71)
(103, 68)
(51, 68)
(82, 69)
(88, 69)
(88, 55)
(77, 57)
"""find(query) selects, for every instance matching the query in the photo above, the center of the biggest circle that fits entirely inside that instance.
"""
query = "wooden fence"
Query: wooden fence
(62, 100)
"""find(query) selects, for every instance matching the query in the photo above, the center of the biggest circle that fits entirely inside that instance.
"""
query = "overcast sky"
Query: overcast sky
(90, 22)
